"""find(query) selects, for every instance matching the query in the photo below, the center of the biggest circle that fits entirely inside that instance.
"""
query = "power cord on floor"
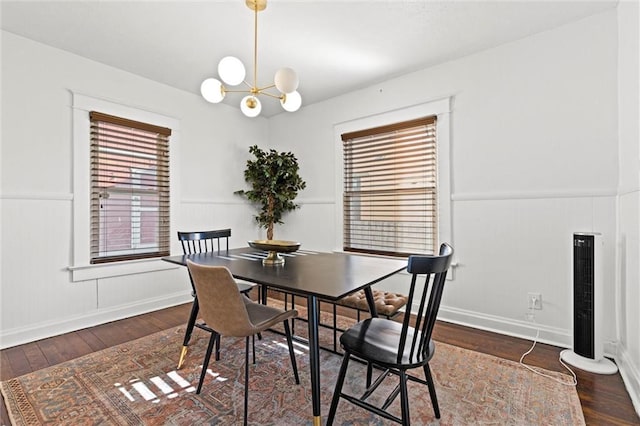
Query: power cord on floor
(540, 373)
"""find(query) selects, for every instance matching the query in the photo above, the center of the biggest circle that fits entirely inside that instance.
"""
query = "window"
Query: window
(390, 189)
(129, 189)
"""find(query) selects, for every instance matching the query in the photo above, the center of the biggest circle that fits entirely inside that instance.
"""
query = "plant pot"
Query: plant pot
(273, 249)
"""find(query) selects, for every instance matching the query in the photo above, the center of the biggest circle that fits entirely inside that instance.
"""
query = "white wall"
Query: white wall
(629, 198)
(535, 130)
(533, 159)
(38, 297)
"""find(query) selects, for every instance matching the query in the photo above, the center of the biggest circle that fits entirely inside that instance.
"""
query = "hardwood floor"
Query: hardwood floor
(603, 397)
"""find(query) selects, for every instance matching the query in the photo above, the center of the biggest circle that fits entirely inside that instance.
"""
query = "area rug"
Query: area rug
(136, 383)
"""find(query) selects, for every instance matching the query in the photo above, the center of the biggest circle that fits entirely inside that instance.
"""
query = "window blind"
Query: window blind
(390, 189)
(129, 189)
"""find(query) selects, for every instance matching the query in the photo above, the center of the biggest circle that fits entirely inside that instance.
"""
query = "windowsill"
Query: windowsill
(357, 253)
(116, 269)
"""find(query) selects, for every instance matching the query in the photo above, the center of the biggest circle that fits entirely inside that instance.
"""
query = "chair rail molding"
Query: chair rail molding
(37, 196)
(239, 201)
(533, 195)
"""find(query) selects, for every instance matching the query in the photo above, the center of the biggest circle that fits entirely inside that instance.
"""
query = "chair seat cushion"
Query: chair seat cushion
(377, 340)
(264, 316)
(245, 286)
(387, 303)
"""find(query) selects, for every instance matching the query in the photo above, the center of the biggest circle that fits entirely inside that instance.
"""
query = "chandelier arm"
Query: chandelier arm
(237, 91)
(260, 89)
(271, 95)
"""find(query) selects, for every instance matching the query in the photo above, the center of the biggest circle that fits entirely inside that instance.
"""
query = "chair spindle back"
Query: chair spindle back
(434, 269)
(203, 241)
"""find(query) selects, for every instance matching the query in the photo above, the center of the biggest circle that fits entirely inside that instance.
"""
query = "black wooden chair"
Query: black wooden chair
(230, 314)
(204, 242)
(398, 347)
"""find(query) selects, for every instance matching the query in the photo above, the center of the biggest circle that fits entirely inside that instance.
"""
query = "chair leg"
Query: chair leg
(218, 348)
(205, 362)
(246, 379)
(335, 329)
(260, 301)
(404, 399)
(292, 355)
(369, 373)
(293, 320)
(253, 344)
(432, 390)
(187, 334)
(338, 390)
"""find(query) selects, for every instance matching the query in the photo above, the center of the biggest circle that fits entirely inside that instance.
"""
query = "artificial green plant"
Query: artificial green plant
(275, 182)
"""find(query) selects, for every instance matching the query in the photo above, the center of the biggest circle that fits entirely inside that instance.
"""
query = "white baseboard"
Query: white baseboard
(21, 335)
(508, 326)
(522, 329)
(630, 376)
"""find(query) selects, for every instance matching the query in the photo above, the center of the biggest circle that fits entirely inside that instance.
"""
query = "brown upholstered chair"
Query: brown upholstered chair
(205, 242)
(228, 313)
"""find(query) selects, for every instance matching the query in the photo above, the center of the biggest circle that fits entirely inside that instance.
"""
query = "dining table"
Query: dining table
(315, 275)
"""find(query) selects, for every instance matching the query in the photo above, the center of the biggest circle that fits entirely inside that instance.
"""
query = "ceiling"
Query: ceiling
(335, 46)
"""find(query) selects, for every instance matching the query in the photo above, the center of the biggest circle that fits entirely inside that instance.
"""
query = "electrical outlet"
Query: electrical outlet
(534, 300)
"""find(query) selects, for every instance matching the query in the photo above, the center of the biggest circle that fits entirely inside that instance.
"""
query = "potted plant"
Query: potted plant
(275, 182)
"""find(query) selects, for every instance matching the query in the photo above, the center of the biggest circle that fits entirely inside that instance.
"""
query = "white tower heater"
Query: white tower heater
(587, 353)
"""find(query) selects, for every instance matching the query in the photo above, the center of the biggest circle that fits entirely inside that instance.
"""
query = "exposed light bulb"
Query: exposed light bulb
(291, 101)
(286, 80)
(250, 106)
(231, 70)
(212, 90)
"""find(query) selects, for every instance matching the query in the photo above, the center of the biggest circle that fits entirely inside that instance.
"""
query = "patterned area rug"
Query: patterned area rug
(136, 383)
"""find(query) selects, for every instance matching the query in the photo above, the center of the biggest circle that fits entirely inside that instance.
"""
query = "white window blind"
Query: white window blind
(129, 189)
(390, 189)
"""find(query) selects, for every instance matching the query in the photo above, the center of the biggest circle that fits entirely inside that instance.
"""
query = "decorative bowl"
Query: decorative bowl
(274, 248)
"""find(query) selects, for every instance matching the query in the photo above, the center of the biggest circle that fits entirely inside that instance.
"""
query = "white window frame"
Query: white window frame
(82, 269)
(440, 108)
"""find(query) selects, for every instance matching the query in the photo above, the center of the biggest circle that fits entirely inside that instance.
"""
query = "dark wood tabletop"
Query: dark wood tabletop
(325, 275)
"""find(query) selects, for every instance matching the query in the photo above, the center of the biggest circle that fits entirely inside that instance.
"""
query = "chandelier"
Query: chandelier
(232, 73)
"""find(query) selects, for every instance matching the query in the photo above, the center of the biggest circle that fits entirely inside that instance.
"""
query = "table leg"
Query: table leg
(371, 302)
(314, 357)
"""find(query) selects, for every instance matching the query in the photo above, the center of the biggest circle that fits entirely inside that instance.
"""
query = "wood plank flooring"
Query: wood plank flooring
(603, 397)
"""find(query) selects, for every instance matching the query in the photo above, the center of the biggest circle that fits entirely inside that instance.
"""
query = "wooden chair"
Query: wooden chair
(398, 347)
(204, 242)
(230, 314)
